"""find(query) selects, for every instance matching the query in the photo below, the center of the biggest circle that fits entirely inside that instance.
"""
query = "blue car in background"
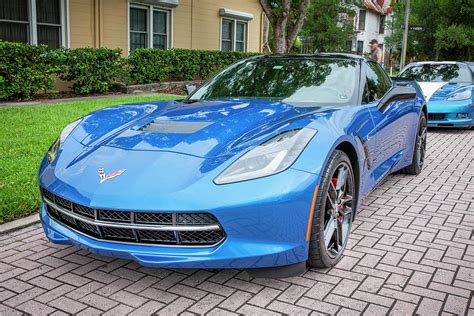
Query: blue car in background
(262, 168)
(448, 88)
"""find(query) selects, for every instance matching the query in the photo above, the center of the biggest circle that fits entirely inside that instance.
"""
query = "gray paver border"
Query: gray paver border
(19, 223)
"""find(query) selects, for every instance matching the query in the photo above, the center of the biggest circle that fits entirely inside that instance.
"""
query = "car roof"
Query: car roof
(318, 55)
(435, 63)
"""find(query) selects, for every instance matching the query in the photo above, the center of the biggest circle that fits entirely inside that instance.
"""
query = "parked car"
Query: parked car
(263, 167)
(471, 65)
(448, 88)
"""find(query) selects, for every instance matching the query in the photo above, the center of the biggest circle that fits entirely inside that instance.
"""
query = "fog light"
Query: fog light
(462, 115)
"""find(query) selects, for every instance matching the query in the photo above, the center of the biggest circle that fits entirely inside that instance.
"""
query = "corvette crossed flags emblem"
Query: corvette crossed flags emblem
(104, 177)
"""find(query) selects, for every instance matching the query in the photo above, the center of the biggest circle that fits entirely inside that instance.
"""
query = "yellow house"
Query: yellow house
(130, 24)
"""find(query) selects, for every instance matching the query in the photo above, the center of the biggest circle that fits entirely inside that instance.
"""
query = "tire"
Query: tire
(419, 150)
(334, 209)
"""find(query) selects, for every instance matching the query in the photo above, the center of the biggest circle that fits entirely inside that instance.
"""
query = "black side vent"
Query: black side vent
(172, 127)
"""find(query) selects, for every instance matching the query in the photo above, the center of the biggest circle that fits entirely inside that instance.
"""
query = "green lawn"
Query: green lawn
(25, 135)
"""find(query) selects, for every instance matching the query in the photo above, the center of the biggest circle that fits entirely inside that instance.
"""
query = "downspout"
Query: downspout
(192, 20)
(68, 25)
(96, 23)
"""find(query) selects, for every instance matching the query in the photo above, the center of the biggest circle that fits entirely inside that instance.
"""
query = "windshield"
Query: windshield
(457, 73)
(298, 81)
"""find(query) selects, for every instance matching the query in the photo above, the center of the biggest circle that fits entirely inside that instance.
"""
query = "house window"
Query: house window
(138, 28)
(234, 35)
(227, 34)
(160, 29)
(23, 21)
(48, 18)
(349, 46)
(382, 24)
(149, 27)
(362, 14)
(360, 47)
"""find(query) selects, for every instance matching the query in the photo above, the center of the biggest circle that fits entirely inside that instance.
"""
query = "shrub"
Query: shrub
(92, 70)
(149, 65)
(24, 69)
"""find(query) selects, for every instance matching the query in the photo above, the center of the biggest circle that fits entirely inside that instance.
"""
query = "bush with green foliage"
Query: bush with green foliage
(148, 65)
(24, 69)
(92, 70)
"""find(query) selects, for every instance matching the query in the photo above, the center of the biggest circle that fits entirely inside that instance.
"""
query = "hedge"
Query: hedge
(92, 70)
(26, 69)
(148, 65)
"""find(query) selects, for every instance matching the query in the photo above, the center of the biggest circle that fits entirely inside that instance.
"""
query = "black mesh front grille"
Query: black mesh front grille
(115, 216)
(154, 235)
(154, 218)
(84, 221)
(195, 219)
(63, 203)
(48, 195)
(84, 211)
(208, 237)
(88, 228)
(118, 233)
(68, 219)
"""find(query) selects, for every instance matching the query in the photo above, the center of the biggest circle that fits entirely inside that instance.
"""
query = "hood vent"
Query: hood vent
(174, 127)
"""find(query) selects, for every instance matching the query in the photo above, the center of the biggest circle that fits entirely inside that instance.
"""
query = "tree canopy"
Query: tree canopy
(286, 18)
(329, 25)
(448, 29)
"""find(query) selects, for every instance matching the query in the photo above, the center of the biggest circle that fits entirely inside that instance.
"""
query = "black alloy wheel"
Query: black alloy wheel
(334, 209)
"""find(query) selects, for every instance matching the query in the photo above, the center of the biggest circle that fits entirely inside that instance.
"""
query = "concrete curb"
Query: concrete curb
(19, 224)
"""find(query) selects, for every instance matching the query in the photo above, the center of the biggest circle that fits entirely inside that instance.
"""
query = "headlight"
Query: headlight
(273, 156)
(460, 95)
(53, 150)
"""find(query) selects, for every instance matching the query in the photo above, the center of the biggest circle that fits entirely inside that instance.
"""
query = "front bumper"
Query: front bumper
(262, 230)
(442, 113)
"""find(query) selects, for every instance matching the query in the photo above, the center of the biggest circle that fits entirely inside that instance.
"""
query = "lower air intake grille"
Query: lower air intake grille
(201, 237)
(436, 116)
(186, 229)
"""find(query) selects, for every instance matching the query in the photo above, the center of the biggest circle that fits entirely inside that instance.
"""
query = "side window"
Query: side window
(377, 84)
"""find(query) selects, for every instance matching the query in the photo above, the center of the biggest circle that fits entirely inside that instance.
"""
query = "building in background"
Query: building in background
(130, 24)
(370, 22)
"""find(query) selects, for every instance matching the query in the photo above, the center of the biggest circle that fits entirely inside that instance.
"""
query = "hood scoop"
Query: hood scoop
(173, 127)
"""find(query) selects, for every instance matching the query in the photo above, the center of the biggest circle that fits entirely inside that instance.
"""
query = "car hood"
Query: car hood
(439, 90)
(202, 129)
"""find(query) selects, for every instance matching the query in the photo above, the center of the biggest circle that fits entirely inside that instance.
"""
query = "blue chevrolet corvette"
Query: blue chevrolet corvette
(449, 90)
(263, 167)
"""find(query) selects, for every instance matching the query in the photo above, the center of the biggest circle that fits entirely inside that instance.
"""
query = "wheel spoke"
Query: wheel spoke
(345, 211)
(331, 226)
(339, 237)
(346, 199)
(341, 179)
(332, 192)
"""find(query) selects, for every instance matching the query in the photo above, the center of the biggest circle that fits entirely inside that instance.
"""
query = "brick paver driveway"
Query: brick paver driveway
(411, 251)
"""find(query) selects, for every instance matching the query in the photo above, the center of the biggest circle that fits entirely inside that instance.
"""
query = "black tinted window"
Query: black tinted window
(377, 83)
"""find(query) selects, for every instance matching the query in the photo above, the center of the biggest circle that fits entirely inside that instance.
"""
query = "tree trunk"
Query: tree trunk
(279, 40)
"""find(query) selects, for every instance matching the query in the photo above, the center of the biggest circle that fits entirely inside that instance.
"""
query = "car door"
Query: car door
(392, 121)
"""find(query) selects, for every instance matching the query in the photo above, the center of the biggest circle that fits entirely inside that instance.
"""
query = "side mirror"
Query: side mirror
(397, 93)
(189, 88)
